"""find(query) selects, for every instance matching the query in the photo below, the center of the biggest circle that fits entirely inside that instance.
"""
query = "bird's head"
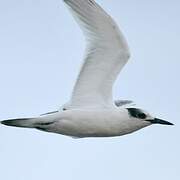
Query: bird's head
(146, 117)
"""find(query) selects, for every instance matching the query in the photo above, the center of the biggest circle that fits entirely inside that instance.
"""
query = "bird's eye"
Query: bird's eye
(142, 116)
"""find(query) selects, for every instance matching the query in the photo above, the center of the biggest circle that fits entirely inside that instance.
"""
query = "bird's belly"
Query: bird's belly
(92, 128)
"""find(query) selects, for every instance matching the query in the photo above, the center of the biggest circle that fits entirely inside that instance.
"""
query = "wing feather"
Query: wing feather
(106, 54)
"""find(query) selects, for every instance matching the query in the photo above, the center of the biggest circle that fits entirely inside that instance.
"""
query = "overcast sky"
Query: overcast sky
(41, 48)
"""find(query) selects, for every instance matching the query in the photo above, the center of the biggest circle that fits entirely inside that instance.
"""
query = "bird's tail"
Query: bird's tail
(23, 122)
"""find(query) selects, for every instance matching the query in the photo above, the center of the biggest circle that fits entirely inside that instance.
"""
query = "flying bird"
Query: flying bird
(91, 110)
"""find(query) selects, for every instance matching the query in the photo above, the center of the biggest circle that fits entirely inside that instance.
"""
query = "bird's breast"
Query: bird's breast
(93, 124)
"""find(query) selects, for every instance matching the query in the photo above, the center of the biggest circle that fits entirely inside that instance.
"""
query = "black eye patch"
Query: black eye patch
(137, 113)
(142, 116)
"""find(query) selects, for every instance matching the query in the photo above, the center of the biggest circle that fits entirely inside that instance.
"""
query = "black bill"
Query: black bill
(159, 121)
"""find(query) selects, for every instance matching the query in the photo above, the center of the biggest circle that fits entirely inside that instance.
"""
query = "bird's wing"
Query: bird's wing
(120, 103)
(106, 54)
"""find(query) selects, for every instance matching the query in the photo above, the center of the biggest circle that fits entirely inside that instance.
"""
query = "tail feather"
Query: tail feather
(23, 122)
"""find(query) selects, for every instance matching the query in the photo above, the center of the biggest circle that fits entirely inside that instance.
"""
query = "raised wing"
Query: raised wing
(120, 103)
(106, 54)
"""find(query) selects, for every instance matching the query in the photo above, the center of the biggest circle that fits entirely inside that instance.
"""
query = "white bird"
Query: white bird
(91, 111)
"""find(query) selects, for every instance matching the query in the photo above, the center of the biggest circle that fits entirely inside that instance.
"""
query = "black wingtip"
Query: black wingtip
(9, 122)
(23, 122)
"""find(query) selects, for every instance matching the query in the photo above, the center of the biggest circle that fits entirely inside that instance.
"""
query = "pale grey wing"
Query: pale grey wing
(106, 54)
(52, 112)
(120, 103)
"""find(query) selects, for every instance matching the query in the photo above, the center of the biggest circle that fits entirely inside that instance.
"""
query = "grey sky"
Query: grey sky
(41, 48)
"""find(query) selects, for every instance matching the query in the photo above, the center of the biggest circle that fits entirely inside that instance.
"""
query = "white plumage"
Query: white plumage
(91, 111)
(106, 54)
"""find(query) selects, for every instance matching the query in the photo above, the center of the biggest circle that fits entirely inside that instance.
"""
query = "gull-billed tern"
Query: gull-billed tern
(91, 111)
